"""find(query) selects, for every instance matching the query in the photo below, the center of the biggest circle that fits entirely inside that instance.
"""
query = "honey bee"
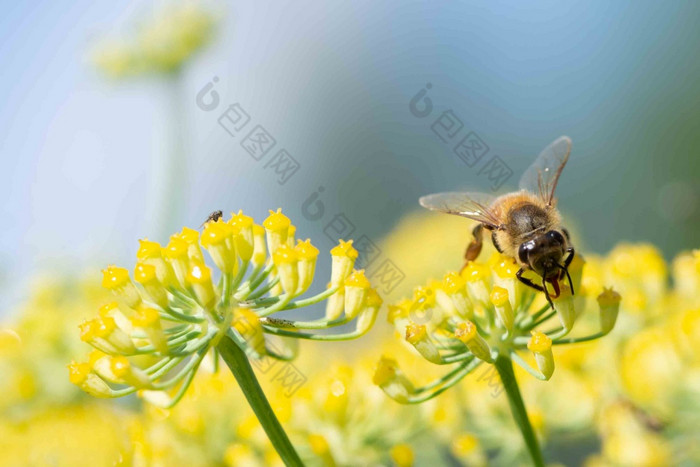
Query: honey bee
(525, 224)
(213, 217)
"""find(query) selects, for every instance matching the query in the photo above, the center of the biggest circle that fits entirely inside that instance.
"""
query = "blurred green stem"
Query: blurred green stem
(237, 361)
(168, 170)
(504, 366)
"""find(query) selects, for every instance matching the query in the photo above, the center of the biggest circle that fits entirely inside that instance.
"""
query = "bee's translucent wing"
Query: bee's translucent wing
(475, 206)
(542, 176)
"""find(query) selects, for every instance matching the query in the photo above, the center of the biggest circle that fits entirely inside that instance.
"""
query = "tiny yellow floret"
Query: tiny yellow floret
(285, 255)
(385, 371)
(145, 317)
(499, 296)
(114, 277)
(608, 297)
(144, 273)
(474, 272)
(358, 279)
(306, 250)
(344, 249)
(539, 342)
(453, 283)
(415, 333)
(120, 366)
(148, 249)
(277, 221)
(466, 331)
(199, 274)
(78, 372)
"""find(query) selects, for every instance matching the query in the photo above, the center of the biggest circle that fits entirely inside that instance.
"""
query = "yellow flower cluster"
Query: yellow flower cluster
(161, 45)
(165, 320)
(469, 319)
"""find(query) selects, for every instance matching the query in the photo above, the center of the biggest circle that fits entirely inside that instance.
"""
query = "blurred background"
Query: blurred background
(126, 120)
(86, 155)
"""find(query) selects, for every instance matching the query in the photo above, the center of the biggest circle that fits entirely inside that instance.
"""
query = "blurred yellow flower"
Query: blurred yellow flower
(161, 45)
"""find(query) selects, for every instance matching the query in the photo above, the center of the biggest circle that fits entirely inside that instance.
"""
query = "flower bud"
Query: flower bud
(564, 306)
(152, 253)
(119, 370)
(111, 310)
(277, 229)
(259, 248)
(290, 236)
(103, 333)
(286, 259)
(504, 271)
(356, 287)
(423, 308)
(398, 315)
(117, 280)
(244, 241)
(609, 302)
(469, 335)
(148, 319)
(541, 347)
(199, 277)
(475, 275)
(335, 304)
(217, 238)
(176, 254)
(576, 272)
(191, 237)
(504, 310)
(368, 315)
(391, 379)
(417, 335)
(307, 254)
(248, 325)
(145, 274)
(454, 287)
(343, 260)
(82, 376)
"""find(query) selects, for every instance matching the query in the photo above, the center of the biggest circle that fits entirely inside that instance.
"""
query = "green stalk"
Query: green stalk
(504, 366)
(237, 361)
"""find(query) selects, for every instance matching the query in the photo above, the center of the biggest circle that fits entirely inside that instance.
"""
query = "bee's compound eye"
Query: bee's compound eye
(524, 250)
(555, 236)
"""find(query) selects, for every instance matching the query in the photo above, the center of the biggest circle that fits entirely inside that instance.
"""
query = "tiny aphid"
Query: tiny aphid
(525, 224)
(213, 217)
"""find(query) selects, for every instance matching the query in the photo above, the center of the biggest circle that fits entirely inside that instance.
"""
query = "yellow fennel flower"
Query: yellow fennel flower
(178, 308)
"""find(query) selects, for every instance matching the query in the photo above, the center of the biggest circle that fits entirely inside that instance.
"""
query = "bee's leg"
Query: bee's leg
(474, 247)
(567, 262)
(527, 281)
(546, 293)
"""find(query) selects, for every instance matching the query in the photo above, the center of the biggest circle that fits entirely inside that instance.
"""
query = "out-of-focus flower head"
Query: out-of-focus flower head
(468, 319)
(341, 418)
(164, 322)
(161, 45)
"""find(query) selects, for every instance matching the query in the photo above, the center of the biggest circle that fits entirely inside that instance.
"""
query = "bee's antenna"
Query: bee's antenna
(568, 277)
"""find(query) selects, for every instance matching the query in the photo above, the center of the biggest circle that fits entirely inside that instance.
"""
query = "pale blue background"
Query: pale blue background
(332, 81)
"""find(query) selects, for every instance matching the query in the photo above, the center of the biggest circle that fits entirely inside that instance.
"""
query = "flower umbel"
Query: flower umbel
(483, 313)
(177, 308)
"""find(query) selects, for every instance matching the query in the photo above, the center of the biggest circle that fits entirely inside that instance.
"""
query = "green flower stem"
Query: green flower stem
(237, 361)
(504, 366)
(576, 340)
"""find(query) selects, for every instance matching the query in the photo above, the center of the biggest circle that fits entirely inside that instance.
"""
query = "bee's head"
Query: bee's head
(544, 253)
